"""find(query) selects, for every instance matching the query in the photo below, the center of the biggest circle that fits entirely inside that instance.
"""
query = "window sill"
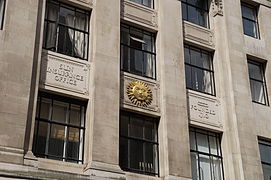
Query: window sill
(54, 165)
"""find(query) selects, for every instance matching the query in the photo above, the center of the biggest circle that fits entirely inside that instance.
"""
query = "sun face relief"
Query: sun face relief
(139, 93)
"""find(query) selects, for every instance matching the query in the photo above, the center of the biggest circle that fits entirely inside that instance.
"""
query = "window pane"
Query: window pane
(124, 152)
(192, 140)
(124, 125)
(217, 168)
(41, 138)
(186, 55)
(149, 68)
(213, 145)
(125, 37)
(202, 80)
(265, 152)
(45, 108)
(250, 28)
(79, 44)
(147, 3)
(73, 144)
(184, 11)
(136, 155)
(266, 172)
(257, 91)
(52, 10)
(149, 158)
(56, 141)
(195, 167)
(255, 71)
(188, 76)
(60, 110)
(136, 127)
(2, 10)
(149, 131)
(125, 58)
(205, 167)
(136, 60)
(75, 115)
(67, 16)
(248, 12)
(193, 15)
(81, 21)
(50, 41)
(202, 143)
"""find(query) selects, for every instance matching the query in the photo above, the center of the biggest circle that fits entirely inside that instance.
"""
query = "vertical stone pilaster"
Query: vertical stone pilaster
(173, 128)
(104, 101)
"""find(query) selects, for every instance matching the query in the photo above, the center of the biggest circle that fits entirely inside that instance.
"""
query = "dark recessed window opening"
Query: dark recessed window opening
(2, 13)
(148, 3)
(196, 12)
(199, 72)
(250, 22)
(265, 152)
(138, 52)
(206, 156)
(138, 144)
(257, 82)
(66, 30)
(59, 128)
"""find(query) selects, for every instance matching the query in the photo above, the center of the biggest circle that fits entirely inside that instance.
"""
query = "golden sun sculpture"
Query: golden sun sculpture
(139, 93)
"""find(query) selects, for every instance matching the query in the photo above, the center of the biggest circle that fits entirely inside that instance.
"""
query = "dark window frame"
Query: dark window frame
(268, 144)
(255, 10)
(3, 15)
(51, 122)
(218, 145)
(141, 3)
(187, 4)
(152, 53)
(142, 140)
(47, 21)
(262, 81)
(211, 70)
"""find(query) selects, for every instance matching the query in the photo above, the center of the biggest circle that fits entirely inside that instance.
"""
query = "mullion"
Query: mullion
(153, 53)
(60, 123)
(204, 69)
(139, 139)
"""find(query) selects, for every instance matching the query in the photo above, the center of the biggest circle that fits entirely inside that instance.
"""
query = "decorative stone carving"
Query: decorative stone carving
(217, 7)
(65, 74)
(135, 12)
(140, 94)
(203, 109)
(198, 34)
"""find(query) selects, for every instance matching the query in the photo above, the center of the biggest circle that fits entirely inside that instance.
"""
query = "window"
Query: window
(2, 12)
(138, 144)
(138, 51)
(196, 11)
(250, 23)
(66, 30)
(257, 82)
(199, 72)
(265, 152)
(206, 157)
(59, 128)
(148, 3)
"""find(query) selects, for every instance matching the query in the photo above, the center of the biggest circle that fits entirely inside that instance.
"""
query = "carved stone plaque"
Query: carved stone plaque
(65, 74)
(204, 109)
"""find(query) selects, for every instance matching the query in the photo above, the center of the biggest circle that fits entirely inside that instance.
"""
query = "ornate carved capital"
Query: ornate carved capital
(217, 6)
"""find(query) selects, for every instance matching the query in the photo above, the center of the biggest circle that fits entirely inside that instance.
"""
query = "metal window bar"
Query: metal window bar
(58, 24)
(210, 70)
(66, 125)
(187, 4)
(144, 141)
(152, 52)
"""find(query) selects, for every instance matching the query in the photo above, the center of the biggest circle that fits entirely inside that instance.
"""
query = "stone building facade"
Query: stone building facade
(135, 89)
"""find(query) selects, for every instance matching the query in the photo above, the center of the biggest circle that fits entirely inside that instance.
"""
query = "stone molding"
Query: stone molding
(78, 79)
(198, 34)
(138, 13)
(125, 102)
(204, 109)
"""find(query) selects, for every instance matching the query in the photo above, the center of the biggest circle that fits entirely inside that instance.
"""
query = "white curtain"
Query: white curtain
(207, 81)
(78, 37)
(51, 28)
(149, 58)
